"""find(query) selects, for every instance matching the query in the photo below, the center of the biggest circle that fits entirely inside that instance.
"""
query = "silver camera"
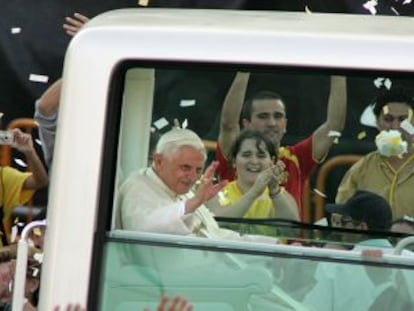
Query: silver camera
(6, 137)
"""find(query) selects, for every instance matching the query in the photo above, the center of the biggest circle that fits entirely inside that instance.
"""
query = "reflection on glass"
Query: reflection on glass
(137, 275)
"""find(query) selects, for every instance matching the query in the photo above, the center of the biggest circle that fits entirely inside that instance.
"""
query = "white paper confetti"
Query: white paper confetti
(307, 10)
(160, 123)
(38, 78)
(187, 102)
(387, 83)
(378, 82)
(38, 141)
(368, 117)
(185, 124)
(15, 30)
(407, 126)
(395, 11)
(320, 193)
(406, 2)
(38, 257)
(370, 6)
(381, 81)
(20, 162)
(35, 272)
(334, 134)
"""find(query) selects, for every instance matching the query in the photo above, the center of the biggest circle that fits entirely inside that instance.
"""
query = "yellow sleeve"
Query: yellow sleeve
(13, 194)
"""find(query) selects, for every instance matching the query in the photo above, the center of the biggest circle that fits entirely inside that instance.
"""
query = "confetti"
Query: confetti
(370, 6)
(38, 78)
(362, 135)
(336, 141)
(16, 220)
(38, 257)
(20, 162)
(143, 2)
(334, 134)
(410, 115)
(387, 83)
(185, 124)
(320, 193)
(406, 2)
(35, 272)
(187, 102)
(15, 30)
(385, 109)
(223, 198)
(378, 82)
(307, 10)
(368, 117)
(38, 141)
(395, 11)
(160, 123)
(407, 126)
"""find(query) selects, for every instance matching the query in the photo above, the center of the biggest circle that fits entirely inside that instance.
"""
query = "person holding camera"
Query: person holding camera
(18, 187)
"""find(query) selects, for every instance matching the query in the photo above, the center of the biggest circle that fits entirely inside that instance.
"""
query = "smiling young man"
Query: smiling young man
(384, 171)
(266, 112)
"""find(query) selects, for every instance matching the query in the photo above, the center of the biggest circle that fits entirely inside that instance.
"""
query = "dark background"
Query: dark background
(40, 47)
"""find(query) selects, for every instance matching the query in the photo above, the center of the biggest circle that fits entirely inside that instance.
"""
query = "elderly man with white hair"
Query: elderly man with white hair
(160, 198)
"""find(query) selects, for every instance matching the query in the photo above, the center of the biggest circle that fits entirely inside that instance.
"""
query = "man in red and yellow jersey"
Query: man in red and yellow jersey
(266, 112)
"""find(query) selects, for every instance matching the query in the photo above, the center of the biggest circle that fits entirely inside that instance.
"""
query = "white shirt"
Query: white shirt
(147, 204)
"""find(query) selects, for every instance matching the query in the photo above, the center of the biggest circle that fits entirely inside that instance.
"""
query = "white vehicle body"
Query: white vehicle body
(191, 36)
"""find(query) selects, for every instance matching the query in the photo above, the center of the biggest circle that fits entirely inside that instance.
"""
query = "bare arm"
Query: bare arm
(73, 24)
(286, 207)
(231, 110)
(335, 120)
(24, 143)
(49, 102)
(206, 191)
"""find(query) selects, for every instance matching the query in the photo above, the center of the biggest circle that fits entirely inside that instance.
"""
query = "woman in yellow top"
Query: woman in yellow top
(256, 192)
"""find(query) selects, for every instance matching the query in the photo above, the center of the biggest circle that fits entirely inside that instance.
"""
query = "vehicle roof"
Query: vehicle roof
(254, 37)
(267, 21)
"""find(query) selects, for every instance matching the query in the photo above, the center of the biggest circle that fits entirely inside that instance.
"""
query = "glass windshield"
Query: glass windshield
(138, 268)
(220, 276)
